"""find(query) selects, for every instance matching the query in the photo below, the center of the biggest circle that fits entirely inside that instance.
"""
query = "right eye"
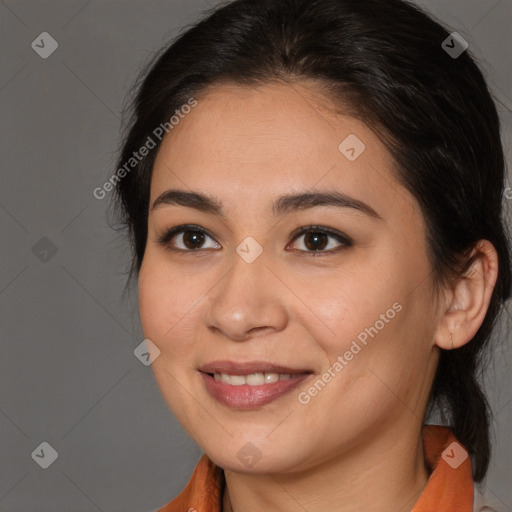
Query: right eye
(189, 238)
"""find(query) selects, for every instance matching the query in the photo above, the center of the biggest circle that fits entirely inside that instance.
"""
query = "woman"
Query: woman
(312, 190)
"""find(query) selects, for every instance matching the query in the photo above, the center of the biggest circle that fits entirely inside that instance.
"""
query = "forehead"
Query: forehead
(271, 140)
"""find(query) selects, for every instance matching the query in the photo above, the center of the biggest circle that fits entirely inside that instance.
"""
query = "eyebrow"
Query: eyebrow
(283, 204)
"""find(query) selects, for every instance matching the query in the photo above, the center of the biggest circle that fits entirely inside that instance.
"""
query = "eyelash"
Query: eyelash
(165, 238)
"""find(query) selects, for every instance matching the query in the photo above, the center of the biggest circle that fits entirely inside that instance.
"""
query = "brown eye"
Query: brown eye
(186, 239)
(315, 241)
(320, 240)
(193, 239)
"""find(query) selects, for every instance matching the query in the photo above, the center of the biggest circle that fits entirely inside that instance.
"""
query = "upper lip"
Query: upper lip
(234, 368)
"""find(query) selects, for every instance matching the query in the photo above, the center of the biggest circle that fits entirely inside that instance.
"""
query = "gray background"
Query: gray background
(68, 375)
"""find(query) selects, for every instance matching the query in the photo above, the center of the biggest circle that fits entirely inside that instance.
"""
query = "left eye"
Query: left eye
(317, 240)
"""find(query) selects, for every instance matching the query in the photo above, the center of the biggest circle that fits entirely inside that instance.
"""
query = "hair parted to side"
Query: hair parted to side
(380, 61)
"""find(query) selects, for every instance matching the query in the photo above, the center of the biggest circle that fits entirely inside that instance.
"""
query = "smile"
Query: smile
(253, 379)
(252, 390)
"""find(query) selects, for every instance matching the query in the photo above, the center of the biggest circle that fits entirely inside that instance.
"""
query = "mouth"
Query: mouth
(248, 368)
(250, 385)
(252, 379)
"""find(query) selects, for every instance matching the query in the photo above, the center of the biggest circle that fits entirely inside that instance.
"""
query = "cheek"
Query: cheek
(167, 304)
(359, 303)
(373, 323)
(165, 309)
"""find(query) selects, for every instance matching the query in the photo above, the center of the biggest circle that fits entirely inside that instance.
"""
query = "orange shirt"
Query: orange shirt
(449, 488)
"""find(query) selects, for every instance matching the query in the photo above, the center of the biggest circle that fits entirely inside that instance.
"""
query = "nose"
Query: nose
(248, 301)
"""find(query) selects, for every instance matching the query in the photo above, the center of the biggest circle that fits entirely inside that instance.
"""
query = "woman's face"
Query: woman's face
(345, 307)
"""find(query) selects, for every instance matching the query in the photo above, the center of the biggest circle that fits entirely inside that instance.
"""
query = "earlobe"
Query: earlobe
(470, 299)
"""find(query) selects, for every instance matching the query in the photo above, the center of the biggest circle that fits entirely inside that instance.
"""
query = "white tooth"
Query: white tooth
(271, 377)
(237, 380)
(255, 379)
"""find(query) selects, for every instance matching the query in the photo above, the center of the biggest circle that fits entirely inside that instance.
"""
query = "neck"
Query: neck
(386, 475)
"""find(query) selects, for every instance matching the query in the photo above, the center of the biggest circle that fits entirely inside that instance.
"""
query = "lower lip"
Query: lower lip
(249, 397)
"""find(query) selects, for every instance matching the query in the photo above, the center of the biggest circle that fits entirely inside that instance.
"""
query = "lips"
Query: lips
(233, 368)
(221, 384)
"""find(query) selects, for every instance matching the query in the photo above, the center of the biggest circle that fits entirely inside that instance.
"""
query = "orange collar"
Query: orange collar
(449, 488)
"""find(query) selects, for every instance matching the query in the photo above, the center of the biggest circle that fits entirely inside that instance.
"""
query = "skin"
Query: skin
(247, 147)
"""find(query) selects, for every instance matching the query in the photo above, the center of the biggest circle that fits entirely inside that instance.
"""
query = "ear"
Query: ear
(467, 302)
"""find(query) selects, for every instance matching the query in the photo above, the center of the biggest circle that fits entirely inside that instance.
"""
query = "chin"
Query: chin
(245, 456)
